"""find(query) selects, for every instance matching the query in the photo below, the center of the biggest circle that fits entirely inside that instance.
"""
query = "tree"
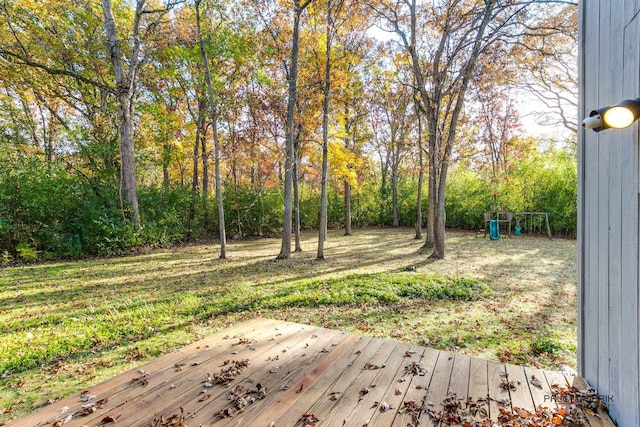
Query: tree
(216, 144)
(333, 9)
(443, 42)
(54, 62)
(78, 65)
(125, 83)
(354, 52)
(125, 91)
(296, 185)
(292, 77)
(392, 121)
(418, 225)
(498, 125)
(353, 116)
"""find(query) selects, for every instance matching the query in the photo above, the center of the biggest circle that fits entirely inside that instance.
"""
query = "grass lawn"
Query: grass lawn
(65, 326)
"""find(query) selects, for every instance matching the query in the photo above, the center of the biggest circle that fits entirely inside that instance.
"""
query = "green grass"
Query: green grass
(65, 326)
(73, 328)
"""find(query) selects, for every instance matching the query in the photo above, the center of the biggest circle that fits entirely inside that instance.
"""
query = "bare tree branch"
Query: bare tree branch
(19, 59)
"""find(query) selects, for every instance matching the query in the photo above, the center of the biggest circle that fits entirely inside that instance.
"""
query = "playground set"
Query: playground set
(525, 222)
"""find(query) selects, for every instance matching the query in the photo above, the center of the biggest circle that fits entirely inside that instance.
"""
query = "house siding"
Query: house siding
(608, 209)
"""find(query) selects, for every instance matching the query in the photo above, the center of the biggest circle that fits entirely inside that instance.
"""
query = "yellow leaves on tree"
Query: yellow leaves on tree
(344, 164)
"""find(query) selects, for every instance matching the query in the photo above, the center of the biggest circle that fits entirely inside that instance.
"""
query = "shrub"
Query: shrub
(26, 253)
(540, 182)
(468, 196)
(65, 214)
(256, 212)
(545, 345)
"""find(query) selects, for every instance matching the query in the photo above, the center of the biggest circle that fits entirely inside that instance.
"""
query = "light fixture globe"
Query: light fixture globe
(619, 116)
(622, 115)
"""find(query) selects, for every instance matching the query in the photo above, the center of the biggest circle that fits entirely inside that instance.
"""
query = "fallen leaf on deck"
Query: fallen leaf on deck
(229, 372)
(373, 366)
(536, 382)
(309, 420)
(175, 420)
(415, 368)
(506, 385)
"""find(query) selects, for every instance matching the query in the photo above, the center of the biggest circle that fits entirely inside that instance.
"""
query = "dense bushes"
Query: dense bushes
(52, 212)
(543, 182)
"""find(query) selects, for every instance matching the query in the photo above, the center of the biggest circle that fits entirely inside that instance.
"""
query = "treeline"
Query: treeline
(53, 212)
(129, 124)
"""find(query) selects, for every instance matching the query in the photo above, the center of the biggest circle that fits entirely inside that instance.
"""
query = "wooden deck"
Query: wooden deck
(296, 371)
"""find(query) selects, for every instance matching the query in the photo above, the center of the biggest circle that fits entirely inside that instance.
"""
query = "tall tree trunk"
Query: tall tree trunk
(394, 194)
(431, 196)
(166, 162)
(347, 208)
(216, 145)
(285, 250)
(205, 160)
(236, 193)
(205, 173)
(125, 91)
(441, 216)
(383, 194)
(418, 226)
(195, 175)
(322, 232)
(296, 189)
(196, 152)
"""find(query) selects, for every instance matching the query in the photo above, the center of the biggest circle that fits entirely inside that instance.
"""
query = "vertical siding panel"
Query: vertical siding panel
(590, 344)
(630, 367)
(604, 140)
(581, 186)
(615, 59)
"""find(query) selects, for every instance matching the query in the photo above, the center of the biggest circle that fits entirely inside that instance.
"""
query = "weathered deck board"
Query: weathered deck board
(459, 383)
(479, 386)
(496, 394)
(438, 386)
(540, 394)
(306, 370)
(521, 395)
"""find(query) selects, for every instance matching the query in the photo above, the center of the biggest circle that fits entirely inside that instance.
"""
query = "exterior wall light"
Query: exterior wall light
(617, 116)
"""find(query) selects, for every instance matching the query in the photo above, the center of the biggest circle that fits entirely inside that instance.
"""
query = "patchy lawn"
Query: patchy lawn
(65, 326)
